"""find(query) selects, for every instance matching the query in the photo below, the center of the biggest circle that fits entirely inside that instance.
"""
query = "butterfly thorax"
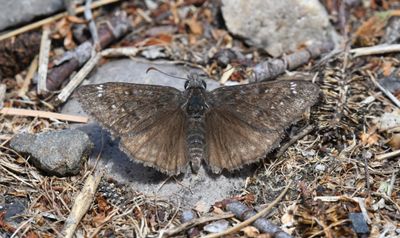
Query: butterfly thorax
(195, 108)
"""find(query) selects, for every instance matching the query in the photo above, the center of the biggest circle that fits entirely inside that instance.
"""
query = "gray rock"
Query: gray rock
(217, 226)
(278, 26)
(187, 189)
(59, 153)
(13, 13)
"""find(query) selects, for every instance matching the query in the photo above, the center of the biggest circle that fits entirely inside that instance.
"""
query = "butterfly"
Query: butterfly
(169, 129)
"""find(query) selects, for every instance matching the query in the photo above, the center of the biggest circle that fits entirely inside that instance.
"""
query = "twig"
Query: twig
(293, 139)
(391, 185)
(92, 25)
(384, 90)
(192, 223)
(53, 18)
(28, 78)
(78, 78)
(3, 89)
(366, 156)
(123, 51)
(112, 29)
(329, 227)
(45, 44)
(252, 219)
(374, 50)
(43, 114)
(271, 68)
(81, 204)
(386, 197)
(388, 155)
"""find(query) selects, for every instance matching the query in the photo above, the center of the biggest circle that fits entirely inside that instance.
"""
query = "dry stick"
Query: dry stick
(388, 155)
(252, 219)
(192, 223)
(123, 51)
(92, 25)
(81, 204)
(384, 90)
(78, 78)
(374, 50)
(391, 184)
(43, 114)
(53, 18)
(43, 60)
(28, 78)
(87, 68)
(3, 89)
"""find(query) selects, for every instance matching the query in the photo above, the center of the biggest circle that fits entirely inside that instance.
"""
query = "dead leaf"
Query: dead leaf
(395, 141)
(387, 68)
(369, 138)
(195, 26)
(251, 231)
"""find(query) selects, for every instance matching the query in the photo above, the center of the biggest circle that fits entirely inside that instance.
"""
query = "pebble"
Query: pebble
(59, 153)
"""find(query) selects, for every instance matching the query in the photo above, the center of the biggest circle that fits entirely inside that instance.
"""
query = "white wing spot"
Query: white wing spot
(293, 86)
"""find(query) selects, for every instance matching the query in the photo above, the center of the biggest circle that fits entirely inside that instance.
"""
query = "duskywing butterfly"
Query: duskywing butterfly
(228, 127)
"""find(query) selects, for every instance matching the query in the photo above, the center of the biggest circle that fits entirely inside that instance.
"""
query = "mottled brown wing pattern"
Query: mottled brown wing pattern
(246, 122)
(148, 118)
(232, 143)
(162, 145)
(266, 105)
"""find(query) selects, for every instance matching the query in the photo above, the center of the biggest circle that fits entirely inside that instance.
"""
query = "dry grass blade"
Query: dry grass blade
(43, 114)
(374, 50)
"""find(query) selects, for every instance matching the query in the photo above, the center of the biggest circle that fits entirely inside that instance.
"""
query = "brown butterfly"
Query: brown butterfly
(228, 127)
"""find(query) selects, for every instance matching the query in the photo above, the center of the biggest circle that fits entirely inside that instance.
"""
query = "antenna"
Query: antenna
(153, 68)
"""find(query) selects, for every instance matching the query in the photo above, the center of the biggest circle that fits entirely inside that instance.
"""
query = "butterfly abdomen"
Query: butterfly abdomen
(195, 141)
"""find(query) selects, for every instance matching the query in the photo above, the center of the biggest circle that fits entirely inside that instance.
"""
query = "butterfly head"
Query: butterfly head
(195, 81)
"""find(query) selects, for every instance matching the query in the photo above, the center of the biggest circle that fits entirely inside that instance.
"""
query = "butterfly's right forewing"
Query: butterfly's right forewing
(148, 119)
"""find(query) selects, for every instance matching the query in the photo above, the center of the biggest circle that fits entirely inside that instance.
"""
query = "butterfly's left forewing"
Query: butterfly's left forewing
(148, 119)
(246, 122)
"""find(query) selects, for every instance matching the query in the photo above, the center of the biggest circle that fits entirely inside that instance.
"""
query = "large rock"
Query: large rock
(13, 13)
(59, 153)
(186, 190)
(278, 26)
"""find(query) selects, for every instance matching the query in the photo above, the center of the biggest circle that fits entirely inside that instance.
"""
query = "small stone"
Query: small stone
(278, 26)
(14, 13)
(358, 222)
(217, 226)
(188, 215)
(59, 153)
(320, 167)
